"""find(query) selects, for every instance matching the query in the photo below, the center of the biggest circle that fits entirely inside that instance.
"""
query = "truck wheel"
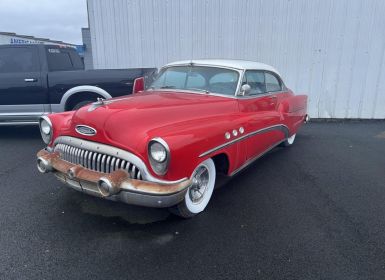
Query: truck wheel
(81, 104)
(199, 193)
(289, 141)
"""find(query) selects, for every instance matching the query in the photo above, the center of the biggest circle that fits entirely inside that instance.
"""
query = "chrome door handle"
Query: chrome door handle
(30, 80)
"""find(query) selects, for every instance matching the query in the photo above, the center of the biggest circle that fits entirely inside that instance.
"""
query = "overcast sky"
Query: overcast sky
(54, 19)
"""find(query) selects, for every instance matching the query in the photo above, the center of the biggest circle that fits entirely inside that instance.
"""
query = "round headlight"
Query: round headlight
(159, 155)
(46, 129)
(158, 152)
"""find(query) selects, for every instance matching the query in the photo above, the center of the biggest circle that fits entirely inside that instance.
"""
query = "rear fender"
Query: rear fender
(293, 110)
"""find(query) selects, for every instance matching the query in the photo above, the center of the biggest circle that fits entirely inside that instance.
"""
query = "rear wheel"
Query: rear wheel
(199, 193)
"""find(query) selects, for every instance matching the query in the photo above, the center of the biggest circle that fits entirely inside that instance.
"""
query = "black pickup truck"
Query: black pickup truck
(41, 79)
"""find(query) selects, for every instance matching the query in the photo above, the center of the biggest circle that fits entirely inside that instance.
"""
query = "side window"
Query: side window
(59, 59)
(16, 59)
(256, 81)
(77, 61)
(272, 83)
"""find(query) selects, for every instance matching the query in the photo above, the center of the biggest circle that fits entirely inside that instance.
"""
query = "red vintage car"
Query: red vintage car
(163, 146)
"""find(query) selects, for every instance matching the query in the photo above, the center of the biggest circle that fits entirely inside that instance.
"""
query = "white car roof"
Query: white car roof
(232, 63)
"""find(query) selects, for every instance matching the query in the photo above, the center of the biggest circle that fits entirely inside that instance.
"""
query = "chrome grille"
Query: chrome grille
(96, 161)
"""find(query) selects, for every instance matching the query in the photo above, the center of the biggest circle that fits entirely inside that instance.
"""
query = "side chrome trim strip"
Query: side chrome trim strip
(281, 127)
(110, 151)
(19, 123)
(250, 161)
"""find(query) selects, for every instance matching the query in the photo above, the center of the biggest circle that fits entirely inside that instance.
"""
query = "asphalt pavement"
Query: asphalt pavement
(315, 210)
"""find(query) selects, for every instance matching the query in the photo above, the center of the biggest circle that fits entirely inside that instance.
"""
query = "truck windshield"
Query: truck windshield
(197, 78)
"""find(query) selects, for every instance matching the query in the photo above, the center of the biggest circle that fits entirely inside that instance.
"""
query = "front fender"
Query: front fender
(188, 143)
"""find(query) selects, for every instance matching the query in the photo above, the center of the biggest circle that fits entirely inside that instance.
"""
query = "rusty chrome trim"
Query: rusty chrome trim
(95, 147)
(117, 186)
(281, 127)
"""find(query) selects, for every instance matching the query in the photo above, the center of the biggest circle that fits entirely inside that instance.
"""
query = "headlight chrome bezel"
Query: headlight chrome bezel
(159, 167)
(47, 137)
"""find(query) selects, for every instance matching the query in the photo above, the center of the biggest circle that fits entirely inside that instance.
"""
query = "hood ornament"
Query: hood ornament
(100, 102)
(85, 130)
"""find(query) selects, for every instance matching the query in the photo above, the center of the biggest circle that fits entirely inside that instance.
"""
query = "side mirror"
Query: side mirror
(138, 85)
(245, 90)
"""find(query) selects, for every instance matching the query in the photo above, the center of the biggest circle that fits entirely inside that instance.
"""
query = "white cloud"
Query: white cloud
(58, 20)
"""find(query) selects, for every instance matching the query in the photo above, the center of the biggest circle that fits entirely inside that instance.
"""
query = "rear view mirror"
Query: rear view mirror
(138, 85)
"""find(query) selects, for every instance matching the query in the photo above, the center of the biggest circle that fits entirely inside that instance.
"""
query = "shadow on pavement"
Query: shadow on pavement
(128, 213)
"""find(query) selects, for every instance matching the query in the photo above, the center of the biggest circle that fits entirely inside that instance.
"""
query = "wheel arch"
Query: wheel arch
(222, 163)
(76, 91)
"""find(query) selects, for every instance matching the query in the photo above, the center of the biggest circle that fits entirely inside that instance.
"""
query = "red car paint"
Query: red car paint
(191, 123)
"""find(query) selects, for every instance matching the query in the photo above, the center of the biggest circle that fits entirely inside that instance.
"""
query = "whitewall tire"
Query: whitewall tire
(199, 193)
(289, 141)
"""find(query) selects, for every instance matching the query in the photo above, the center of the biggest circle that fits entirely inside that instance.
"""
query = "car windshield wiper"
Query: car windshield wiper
(167, 87)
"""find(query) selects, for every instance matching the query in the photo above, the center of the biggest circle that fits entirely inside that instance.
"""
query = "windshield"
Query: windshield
(197, 78)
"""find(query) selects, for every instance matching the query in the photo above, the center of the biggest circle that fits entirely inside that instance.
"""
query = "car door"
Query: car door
(22, 94)
(259, 110)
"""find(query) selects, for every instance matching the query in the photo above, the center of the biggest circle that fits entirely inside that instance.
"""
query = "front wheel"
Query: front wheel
(199, 193)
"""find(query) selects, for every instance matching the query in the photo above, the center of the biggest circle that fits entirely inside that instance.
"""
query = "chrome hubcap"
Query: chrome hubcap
(199, 185)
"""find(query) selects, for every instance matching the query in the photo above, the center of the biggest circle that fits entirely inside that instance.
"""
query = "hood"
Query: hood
(127, 121)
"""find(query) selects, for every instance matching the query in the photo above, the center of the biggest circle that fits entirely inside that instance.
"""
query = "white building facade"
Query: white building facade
(16, 39)
(334, 51)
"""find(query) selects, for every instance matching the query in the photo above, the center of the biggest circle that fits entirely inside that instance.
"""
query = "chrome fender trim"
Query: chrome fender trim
(281, 127)
(78, 89)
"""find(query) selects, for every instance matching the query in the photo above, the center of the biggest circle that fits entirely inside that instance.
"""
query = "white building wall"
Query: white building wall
(15, 39)
(332, 50)
(86, 38)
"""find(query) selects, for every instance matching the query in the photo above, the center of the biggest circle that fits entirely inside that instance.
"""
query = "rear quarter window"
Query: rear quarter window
(272, 83)
(62, 59)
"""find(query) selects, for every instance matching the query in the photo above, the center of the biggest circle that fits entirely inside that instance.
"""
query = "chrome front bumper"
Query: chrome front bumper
(116, 186)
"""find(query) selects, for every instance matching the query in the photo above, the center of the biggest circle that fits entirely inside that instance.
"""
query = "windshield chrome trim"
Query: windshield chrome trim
(190, 91)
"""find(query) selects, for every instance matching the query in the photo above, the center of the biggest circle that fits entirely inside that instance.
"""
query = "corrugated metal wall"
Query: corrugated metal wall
(86, 38)
(331, 50)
